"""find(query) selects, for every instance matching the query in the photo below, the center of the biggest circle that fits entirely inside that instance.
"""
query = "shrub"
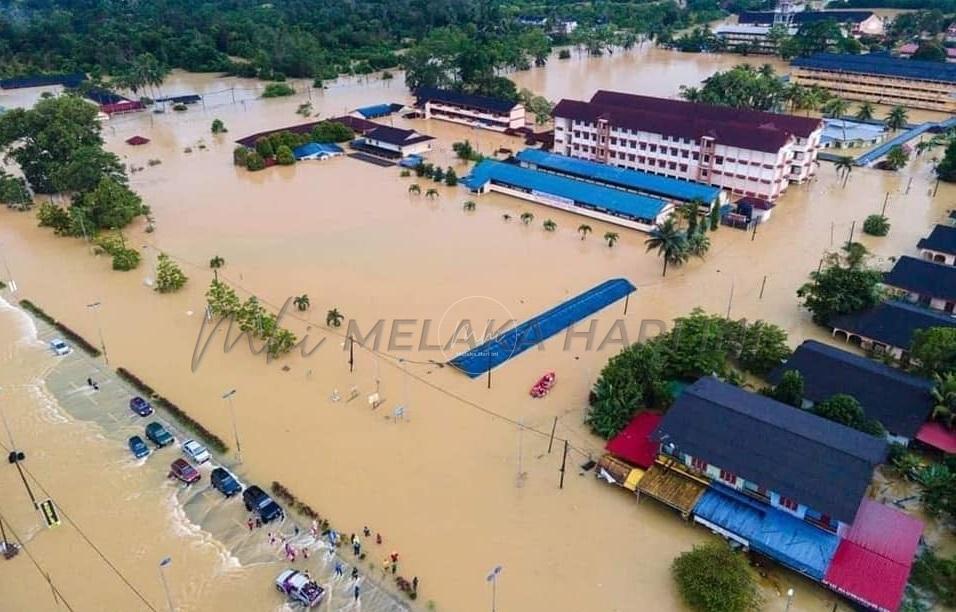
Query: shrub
(564, 54)
(277, 90)
(405, 173)
(937, 575)
(240, 155)
(713, 578)
(125, 259)
(451, 178)
(876, 225)
(284, 156)
(264, 147)
(294, 502)
(255, 162)
(68, 333)
(218, 127)
(55, 217)
(169, 277)
(846, 410)
(332, 131)
(179, 107)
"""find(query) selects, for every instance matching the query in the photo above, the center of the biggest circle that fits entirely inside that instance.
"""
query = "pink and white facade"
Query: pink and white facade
(748, 153)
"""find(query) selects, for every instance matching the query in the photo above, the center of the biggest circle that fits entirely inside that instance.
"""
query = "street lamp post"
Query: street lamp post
(493, 579)
(162, 576)
(95, 307)
(235, 428)
(789, 599)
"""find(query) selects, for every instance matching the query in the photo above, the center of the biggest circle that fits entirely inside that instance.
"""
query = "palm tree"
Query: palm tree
(414, 188)
(302, 302)
(584, 229)
(945, 395)
(215, 263)
(844, 166)
(698, 244)
(431, 193)
(506, 217)
(896, 158)
(836, 107)
(864, 112)
(610, 238)
(527, 218)
(469, 205)
(549, 225)
(333, 318)
(670, 243)
(896, 119)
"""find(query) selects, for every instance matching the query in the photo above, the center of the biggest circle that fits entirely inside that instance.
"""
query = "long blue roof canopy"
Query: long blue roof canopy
(879, 64)
(587, 195)
(622, 178)
(517, 340)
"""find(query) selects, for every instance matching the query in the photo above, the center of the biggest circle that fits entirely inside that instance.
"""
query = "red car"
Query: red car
(182, 471)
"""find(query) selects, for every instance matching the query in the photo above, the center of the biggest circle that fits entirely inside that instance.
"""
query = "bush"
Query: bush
(169, 277)
(240, 155)
(293, 502)
(125, 259)
(332, 131)
(564, 54)
(451, 178)
(264, 147)
(277, 90)
(631, 380)
(936, 575)
(179, 107)
(284, 156)
(876, 225)
(254, 161)
(218, 127)
(68, 333)
(55, 217)
(713, 578)
(846, 410)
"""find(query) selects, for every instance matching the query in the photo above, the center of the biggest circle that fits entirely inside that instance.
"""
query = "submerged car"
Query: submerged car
(258, 501)
(158, 434)
(181, 470)
(224, 482)
(60, 347)
(140, 406)
(138, 447)
(195, 451)
(299, 587)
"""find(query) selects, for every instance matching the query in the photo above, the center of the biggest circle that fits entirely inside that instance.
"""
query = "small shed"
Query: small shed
(634, 443)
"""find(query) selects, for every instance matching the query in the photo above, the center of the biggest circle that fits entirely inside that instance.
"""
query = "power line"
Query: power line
(86, 538)
(43, 572)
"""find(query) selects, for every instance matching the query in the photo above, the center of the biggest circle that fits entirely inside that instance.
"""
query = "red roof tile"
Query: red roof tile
(633, 444)
(936, 435)
(886, 531)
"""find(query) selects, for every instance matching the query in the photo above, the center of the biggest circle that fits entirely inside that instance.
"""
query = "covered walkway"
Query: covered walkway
(672, 487)
(513, 342)
(876, 153)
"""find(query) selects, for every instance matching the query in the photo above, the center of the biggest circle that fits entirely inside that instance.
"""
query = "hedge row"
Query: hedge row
(293, 502)
(70, 335)
(211, 440)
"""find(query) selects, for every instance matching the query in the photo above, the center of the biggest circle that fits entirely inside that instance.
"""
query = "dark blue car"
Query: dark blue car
(224, 482)
(138, 447)
(140, 406)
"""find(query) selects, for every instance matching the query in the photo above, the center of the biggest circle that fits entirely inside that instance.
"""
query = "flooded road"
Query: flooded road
(456, 486)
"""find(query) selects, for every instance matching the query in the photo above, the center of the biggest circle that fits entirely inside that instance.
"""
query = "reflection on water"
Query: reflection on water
(441, 485)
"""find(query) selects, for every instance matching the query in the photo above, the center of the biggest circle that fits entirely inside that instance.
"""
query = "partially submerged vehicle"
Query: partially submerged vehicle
(300, 587)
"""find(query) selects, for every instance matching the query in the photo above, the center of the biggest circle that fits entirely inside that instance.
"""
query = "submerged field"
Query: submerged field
(458, 487)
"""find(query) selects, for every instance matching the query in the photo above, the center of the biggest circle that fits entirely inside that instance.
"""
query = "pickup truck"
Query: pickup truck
(258, 501)
(299, 588)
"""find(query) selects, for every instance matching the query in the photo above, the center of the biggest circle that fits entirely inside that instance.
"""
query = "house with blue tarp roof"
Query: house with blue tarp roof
(317, 150)
(583, 198)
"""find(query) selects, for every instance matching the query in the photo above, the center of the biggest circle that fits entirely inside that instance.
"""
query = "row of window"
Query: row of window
(731, 479)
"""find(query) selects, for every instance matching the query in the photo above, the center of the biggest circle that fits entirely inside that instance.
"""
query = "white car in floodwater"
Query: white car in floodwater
(300, 587)
(60, 347)
(195, 451)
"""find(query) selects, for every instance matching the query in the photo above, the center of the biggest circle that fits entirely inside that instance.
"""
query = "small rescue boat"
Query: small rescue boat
(543, 386)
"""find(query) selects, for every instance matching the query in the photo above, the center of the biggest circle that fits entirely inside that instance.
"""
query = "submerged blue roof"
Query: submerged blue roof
(313, 148)
(620, 177)
(604, 199)
(879, 64)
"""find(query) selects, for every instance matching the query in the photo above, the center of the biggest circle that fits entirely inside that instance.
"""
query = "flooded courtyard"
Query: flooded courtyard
(464, 481)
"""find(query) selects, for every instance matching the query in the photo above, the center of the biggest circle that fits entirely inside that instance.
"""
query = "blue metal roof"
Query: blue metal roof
(620, 178)
(515, 341)
(378, 110)
(313, 148)
(879, 64)
(603, 199)
(774, 533)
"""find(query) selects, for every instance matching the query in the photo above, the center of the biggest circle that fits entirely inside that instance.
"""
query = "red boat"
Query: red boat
(544, 384)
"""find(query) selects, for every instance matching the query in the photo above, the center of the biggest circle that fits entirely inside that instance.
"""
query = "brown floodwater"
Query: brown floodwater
(442, 485)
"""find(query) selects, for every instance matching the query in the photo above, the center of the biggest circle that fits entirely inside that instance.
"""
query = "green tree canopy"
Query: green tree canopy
(844, 409)
(843, 285)
(790, 389)
(935, 350)
(713, 578)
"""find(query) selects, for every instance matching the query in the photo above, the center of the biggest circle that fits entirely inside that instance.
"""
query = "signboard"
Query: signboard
(49, 513)
(553, 200)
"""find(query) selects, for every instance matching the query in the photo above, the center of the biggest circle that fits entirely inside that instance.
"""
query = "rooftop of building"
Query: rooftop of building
(942, 239)
(923, 277)
(653, 184)
(818, 463)
(600, 198)
(880, 65)
(397, 136)
(801, 17)
(747, 28)
(893, 323)
(634, 443)
(900, 401)
(457, 98)
(844, 130)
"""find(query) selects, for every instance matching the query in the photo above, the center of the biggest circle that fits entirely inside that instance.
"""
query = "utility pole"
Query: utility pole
(162, 576)
(763, 284)
(852, 228)
(730, 301)
(235, 429)
(885, 201)
(564, 461)
(95, 306)
(554, 426)
(351, 353)
(15, 457)
(493, 579)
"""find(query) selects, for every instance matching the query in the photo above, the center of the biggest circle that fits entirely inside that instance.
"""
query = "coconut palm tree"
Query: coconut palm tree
(549, 225)
(506, 217)
(896, 119)
(333, 318)
(896, 158)
(864, 112)
(527, 218)
(431, 193)
(836, 107)
(610, 238)
(844, 166)
(302, 302)
(670, 242)
(698, 244)
(215, 263)
(945, 395)
(414, 188)
(584, 229)
(469, 205)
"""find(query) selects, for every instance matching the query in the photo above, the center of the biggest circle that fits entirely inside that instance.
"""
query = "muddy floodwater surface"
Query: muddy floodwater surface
(464, 481)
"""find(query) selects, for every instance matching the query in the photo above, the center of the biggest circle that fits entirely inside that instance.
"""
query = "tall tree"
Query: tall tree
(670, 243)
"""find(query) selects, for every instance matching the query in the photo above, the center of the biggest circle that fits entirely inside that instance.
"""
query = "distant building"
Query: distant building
(940, 245)
(846, 134)
(475, 111)
(880, 79)
(856, 23)
(919, 281)
(748, 153)
(900, 401)
(395, 142)
(889, 327)
(749, 37)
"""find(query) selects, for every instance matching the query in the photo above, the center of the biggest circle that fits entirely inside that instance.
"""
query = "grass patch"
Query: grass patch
(210, 439)
(68, 333)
